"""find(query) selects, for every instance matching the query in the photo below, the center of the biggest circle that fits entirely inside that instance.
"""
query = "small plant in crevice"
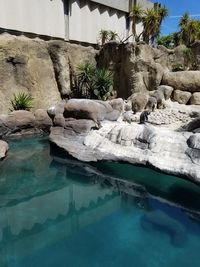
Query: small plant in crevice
(21, 101)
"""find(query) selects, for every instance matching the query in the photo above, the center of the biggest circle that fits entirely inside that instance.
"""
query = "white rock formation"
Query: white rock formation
(159, 147)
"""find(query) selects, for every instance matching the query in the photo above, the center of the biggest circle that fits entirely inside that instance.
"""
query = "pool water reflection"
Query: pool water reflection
(57, 212)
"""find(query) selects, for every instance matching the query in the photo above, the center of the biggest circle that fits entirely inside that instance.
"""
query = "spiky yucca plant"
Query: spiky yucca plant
(21, 101)
(103, 84)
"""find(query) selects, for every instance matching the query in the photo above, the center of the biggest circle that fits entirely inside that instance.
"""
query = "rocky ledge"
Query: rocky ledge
(170, 150)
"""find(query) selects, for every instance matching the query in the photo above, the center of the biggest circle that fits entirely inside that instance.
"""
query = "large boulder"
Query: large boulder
(56, 109)
(194, 141)
(20, 119)
(117, 104)
(194, 148)
(160, 97)
(139, 101)
(195, 99)
(193, 125)
(59, 120)
(79, 126)
(166, 90)
(183, 80)
(22, 122)
(182, 97)
(25, 66)
(95, 110)
(42, 120)
(3, 149)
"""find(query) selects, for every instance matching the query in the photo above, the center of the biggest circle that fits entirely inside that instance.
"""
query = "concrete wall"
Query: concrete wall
(86, 19)
(82, 21)
(122, 5)
(43, 17)
(146, 4)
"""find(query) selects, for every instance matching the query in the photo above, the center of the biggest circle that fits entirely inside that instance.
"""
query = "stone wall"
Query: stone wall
(40, 68)
(46, 69)
(141, 68)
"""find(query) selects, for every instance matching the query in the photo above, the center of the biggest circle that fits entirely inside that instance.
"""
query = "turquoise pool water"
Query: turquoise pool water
(57, 212)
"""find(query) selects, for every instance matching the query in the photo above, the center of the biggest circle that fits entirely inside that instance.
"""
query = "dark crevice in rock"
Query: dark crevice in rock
(54, 60)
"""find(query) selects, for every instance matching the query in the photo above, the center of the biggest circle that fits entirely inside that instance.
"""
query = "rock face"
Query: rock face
(183, 80)
(66, 58)
(25, 66)
(134, 143)
(43, 69)
(3, 149)
(23, 122)
(134, 67)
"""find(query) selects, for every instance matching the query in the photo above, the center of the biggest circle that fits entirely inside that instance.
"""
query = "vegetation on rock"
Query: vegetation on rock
(93, 82)
(102, 86)
(106, 36)
(21, 101)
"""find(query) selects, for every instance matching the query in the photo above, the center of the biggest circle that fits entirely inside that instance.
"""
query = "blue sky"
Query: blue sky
(177, 8)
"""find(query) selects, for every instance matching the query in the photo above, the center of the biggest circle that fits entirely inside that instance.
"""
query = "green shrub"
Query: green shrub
(84, 80)
(21, 101)
(93, 83)
(103, 84)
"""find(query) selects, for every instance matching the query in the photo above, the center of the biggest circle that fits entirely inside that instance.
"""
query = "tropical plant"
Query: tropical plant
(151, 22)
(85, 74)
(184, 25)
(103, 36)
(21, 101)
(113, 36)
(93, 83)
(166, 40)
(103, 84)
(189, 30)
(136, 14)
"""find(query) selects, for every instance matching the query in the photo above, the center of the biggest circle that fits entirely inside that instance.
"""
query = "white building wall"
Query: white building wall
(86, 19)
(43, 17)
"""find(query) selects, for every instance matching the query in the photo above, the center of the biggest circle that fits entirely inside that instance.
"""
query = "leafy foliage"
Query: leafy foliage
(93, 83)
(103, 36)
(102, 84)
(113, 36)
(136, 14)
(22, 101)
(84, 80)
(167, 41)
(106, 36)
(189, 32)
